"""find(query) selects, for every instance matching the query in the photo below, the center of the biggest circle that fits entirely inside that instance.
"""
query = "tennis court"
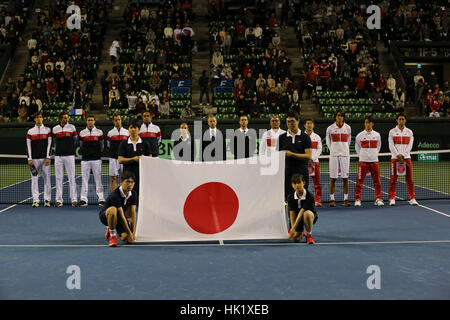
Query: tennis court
(409, 245)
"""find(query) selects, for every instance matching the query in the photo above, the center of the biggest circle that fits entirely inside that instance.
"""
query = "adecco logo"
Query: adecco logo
(429, 145)
(374, 21)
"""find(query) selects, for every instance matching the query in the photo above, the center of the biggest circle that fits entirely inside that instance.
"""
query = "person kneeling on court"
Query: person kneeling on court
(119, 212)
(301, 210)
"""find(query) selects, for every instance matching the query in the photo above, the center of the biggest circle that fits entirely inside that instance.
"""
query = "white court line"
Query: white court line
(420, 205)
(434, 210)
(225, 244)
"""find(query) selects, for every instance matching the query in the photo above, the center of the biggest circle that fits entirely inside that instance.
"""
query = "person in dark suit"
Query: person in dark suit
(184, 147)
(213, 142)
(243, 144)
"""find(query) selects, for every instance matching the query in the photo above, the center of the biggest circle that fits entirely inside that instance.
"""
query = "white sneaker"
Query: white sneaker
(413, 202)
(392, 202)
(379, 202)
(358, 203)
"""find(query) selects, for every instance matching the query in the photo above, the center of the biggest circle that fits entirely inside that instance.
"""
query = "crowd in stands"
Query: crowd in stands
(341, 53)
(414, 20)
(62, 62)
(154, 49)
(245, 48)
(13, 18)
(428, 94)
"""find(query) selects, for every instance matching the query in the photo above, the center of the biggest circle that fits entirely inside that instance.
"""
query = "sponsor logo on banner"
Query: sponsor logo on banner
(181, 83)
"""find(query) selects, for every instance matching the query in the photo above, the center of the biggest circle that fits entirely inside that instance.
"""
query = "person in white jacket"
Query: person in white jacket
(114, 51)
(367, 146)
(338, 139)
(391, 84)
(269, 139)
(313, 164)
(401, 140)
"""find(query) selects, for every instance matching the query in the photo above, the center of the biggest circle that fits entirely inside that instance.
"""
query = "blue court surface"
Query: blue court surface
(409, 245)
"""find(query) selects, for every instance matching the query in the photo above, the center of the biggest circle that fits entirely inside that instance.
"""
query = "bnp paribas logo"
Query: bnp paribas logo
(374, 20)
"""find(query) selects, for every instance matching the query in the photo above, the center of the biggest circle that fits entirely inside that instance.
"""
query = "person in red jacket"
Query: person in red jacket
(435, 106)
(311, 79)
(324, 75)
(428, 99)
(360, 85)
(52, 89)
(382, 82)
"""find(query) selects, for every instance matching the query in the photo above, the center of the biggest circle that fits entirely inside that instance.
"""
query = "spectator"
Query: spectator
(203, 83)
(52, 90)
(391, 84)
(154, 108)
(400, 98)
(155, 82)
(435, 107)
(140, 108)
(78, 97)
(164, 105)
(105, 88)
(187, 113)
(295, 103)
(361, 86)
(284, 102)
(22, 113)
(255, 108)
(241, 105)
(132, 101)
(114, 51)
(114, 97)
(388, 100)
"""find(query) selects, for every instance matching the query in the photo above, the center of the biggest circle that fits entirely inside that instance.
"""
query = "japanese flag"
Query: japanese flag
(201, 201)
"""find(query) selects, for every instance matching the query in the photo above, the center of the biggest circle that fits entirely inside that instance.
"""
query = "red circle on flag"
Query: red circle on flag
(401, 168)
(310, 169)
(211, 208)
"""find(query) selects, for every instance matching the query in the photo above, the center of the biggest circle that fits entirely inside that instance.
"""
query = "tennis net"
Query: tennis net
(430, 171)
(431, 175)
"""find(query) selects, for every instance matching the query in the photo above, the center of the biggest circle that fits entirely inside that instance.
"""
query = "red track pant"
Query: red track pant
(316, 180)
(374, 169)
(409, 179)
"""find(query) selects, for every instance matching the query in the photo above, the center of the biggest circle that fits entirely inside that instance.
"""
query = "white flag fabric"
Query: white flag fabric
(202, 201)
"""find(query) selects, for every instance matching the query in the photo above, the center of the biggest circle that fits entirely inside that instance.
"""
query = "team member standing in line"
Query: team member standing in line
(92, 144)
(367, 146)
(243, 143)
(338, 139)
(115, 136)
(65, 137)
(39, 142)
(401, 141)
(313, 164)
(269, 139)
(150, 134)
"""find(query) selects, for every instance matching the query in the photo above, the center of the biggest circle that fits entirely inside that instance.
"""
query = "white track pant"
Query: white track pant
(68, 163)
(96, 167)
(45, 171)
